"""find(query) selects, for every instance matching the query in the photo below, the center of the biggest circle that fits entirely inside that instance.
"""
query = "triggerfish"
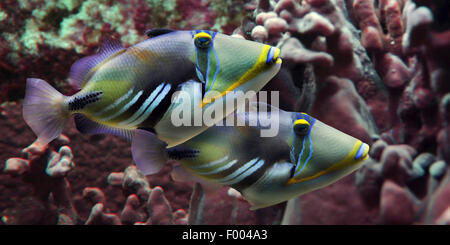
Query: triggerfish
(128, 91)
(305, 155)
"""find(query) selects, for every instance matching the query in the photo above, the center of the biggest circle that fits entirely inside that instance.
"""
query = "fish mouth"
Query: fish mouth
(278, 61)
(359, 154)
(363, 152)
(273, 56)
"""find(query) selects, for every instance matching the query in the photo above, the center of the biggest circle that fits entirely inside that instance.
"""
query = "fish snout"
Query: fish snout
(273, 56)
(362, 153)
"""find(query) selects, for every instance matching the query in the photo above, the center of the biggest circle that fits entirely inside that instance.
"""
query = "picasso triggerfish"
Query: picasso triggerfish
(305, 155)
(130, 91)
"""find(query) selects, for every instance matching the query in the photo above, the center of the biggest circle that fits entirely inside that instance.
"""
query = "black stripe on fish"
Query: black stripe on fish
(178, 153)
(151, 119)
(78, 102)
(160, 109)
(252, 178)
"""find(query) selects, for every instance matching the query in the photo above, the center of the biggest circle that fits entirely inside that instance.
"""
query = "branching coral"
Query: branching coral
(355, 60)
(46, 171)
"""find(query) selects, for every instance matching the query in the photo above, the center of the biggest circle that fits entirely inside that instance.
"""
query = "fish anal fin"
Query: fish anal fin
(149, 152)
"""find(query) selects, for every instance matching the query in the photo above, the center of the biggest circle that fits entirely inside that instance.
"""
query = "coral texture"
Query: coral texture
(36, 34)
(376, 70)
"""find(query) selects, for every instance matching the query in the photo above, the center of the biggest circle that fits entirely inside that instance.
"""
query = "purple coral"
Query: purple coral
(375, 70)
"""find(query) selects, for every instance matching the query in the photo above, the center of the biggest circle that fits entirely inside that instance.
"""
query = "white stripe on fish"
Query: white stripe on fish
(124, 108)
(237, 175)
(152, 106)
(116, 103)
(210, 164)
(144, 105)
(220, 169)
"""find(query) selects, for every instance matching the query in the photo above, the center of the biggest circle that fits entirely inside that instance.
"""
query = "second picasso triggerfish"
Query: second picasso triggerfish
(129, 91)
(305, 155)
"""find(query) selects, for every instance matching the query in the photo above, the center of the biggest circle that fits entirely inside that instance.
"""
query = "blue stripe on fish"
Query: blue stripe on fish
(309, 157)
(124, 108)
(360, 151)
(116, 103)
(310, 148)
(270, 55)
(152, 106)
(217, 67)
(207, 70)
(300, 155)
(143, 106)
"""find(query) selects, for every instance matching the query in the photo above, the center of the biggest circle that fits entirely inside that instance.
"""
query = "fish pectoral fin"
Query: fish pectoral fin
(157, 32)
(149, 152)
(87, 126)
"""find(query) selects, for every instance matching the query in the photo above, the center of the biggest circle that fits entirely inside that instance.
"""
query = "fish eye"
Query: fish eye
(301, 127)
(202, 40)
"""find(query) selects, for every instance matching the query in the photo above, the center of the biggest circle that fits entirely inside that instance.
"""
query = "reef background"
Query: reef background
(375, 69)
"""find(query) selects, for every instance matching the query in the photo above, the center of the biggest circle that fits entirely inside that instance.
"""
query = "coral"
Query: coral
(221, 206)
(45, 170)
(375, 70)
(58, 32)
(45, 186)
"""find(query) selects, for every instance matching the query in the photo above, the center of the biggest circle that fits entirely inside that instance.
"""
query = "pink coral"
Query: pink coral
(355, 60)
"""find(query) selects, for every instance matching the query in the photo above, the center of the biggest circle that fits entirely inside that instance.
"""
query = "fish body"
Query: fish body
(305, 155)
(125, 91)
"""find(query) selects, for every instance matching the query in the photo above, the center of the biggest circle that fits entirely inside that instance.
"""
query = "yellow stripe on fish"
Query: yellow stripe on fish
(257, 68)
(344, 163)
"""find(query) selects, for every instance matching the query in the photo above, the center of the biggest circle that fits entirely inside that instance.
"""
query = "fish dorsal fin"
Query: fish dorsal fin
(82, 67)
(157, 32)
(87, 126)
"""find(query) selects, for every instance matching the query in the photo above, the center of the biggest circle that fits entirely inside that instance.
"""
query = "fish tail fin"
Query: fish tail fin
(149, 152)
(44, 110)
